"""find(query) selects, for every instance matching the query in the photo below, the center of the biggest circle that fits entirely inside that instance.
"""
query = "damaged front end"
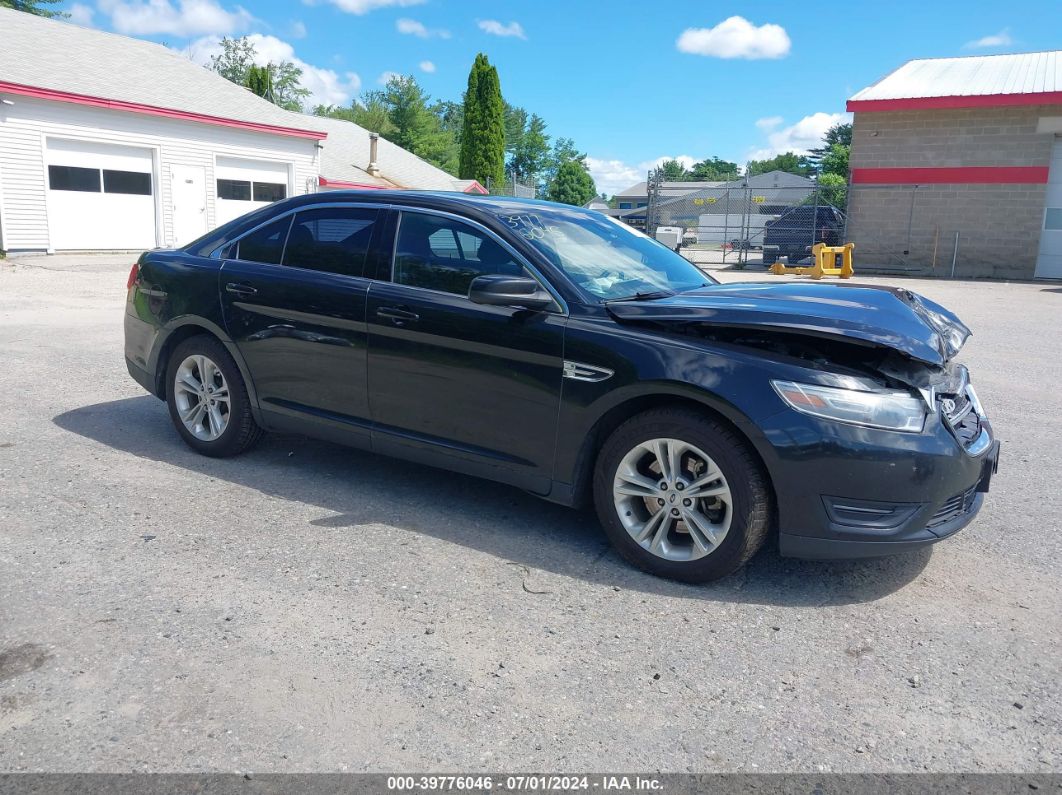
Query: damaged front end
(876, 345)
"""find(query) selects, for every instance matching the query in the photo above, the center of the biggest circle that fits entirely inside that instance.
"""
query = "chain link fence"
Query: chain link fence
(522, 188)
(746, 222)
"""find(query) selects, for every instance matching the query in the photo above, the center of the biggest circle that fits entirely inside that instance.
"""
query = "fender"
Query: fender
(175, 325)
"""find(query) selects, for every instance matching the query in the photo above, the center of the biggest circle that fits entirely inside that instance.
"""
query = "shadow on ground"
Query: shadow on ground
(360, 488)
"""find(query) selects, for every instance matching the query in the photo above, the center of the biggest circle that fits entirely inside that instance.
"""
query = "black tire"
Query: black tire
(241, 432)
(751, 496)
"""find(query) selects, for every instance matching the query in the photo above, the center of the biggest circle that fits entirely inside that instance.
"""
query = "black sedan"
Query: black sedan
(557, 350)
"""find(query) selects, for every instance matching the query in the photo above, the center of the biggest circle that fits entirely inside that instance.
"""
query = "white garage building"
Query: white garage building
(114, 143)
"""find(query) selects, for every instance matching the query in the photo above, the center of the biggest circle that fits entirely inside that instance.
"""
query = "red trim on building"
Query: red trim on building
(344, 185)
(151, 110)
(944, 103)
(475, 187)
(960, 175)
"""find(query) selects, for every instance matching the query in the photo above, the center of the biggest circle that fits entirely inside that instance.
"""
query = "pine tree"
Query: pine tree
(573, 184)
(260, 81)
(483, 133)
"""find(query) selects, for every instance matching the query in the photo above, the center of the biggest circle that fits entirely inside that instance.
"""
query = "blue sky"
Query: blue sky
(632, 82)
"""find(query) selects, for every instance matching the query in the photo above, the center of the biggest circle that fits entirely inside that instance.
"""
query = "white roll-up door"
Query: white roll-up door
(100, 196)
(245, 185)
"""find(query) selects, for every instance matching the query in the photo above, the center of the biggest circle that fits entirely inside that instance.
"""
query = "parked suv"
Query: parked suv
(557, 350)
(794, 232)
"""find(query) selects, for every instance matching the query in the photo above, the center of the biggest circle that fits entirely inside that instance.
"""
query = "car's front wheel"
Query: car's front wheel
(680, 495)
(208, 400)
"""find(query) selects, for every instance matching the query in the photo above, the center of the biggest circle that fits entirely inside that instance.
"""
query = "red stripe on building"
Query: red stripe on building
(151, 110)
(959, 175)
(979, 101)
(342, 184)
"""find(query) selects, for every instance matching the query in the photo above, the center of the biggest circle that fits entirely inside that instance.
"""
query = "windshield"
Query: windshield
(606, 258)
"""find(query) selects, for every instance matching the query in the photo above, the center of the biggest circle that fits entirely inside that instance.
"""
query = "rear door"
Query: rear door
(294, 293)
(470, 387)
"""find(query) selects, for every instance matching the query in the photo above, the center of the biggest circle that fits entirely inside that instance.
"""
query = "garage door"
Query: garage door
(245, 185)
(1049, 263)
(100, 196)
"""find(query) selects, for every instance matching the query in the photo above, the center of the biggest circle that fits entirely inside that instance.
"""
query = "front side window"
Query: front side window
(331, 239)
(604, 257)
(266, 244)
(444, 254)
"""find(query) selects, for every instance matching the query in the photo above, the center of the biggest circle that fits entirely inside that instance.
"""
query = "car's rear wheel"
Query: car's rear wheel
(680, 495)
(208, 400)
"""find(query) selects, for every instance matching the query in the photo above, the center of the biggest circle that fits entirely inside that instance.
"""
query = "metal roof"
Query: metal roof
(1029, 73)
(64, 62)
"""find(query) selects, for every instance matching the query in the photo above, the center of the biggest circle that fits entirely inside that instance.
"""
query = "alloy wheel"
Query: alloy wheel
(672, 499)
(202, 398)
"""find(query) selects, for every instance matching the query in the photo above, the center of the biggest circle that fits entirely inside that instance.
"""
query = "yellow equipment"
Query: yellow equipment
(822, 255)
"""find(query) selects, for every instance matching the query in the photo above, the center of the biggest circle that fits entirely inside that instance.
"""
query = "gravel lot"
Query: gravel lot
(311, 608)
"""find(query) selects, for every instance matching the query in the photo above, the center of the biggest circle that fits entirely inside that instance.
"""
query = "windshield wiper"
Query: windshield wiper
(651, 295)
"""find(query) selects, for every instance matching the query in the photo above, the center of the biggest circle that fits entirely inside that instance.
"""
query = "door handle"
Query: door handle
(397, 315)
(241, 289)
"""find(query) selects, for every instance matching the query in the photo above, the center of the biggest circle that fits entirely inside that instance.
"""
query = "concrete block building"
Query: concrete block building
(959, 160)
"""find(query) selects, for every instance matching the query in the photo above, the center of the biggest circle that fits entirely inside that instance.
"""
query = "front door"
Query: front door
(473, 388)
(188, 197)
(1049, 263)
(294, 297)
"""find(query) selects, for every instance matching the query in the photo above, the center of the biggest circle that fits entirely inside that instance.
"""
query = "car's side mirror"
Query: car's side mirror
(518, 291)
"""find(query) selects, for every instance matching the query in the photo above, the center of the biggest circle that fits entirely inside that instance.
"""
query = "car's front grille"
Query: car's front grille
(954, 508)
(960, 414)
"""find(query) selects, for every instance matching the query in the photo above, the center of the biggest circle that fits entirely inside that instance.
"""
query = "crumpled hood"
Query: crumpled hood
(889, 317)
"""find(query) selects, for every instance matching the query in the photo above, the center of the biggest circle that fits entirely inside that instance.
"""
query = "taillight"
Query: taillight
(133, 273)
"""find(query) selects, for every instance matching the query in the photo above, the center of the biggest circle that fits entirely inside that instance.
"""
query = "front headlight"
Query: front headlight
(893, 411)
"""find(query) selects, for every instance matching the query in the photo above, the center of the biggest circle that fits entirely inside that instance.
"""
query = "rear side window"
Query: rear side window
(331, 240)
(265, 244)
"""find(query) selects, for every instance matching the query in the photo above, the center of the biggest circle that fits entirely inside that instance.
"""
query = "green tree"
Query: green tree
(260, 81)
(833, 189)
(34, 7)
(237, 59)
(835, 160)
(515, 127)
(483, 134)
(416, 128)
(788, 161)
(531, 156)
(673, 171)
(840, 133)
(563, 151)
(572, 184)
(713, 170)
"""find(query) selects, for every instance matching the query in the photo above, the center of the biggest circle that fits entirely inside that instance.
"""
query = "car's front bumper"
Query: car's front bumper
(850, 492)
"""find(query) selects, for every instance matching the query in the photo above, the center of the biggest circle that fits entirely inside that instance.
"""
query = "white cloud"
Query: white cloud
(769, 123)
(387, 77)
(1001, 39)
(186, 18)
(412, 27)
(80, 15)
(297, 29)
(326, 86)
(360, 7)
(427, 67)
(496, 28)
(612, 176)
(736, 37)
(799, 138)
